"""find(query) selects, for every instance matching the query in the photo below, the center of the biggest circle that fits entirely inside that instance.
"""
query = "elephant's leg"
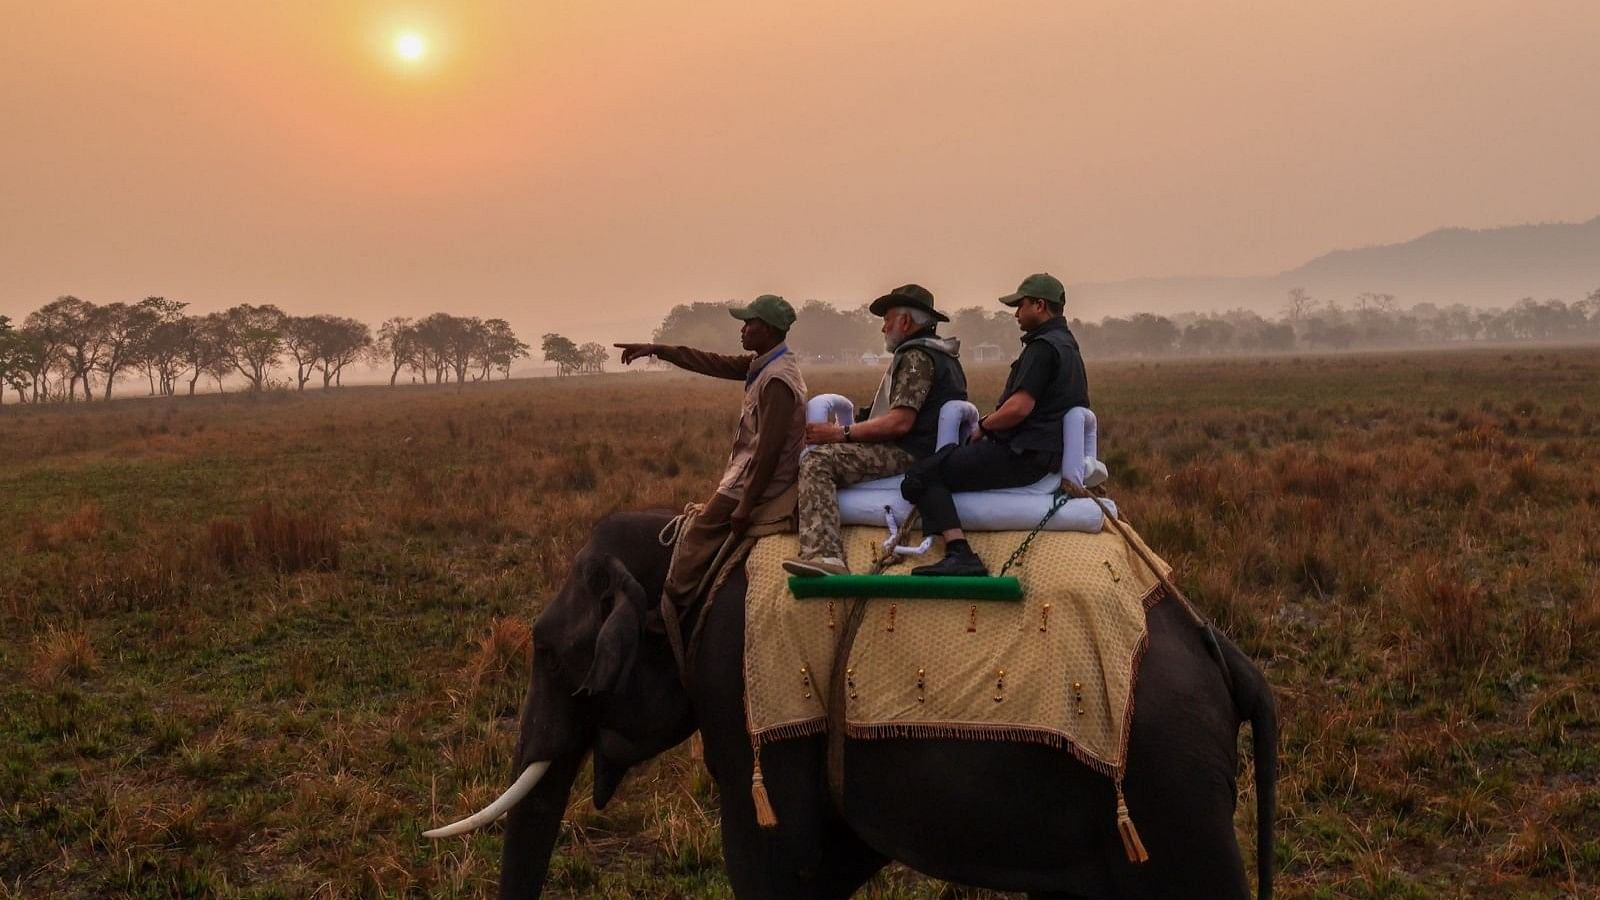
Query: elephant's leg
(811, 853)
(1180, 780)
(1185, 820)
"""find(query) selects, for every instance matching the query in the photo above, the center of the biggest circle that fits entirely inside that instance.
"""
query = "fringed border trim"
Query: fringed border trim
(976, 732)
(789, 731)
(1153, 597)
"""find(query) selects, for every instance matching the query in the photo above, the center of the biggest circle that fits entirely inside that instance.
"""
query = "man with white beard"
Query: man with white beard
(901, 426)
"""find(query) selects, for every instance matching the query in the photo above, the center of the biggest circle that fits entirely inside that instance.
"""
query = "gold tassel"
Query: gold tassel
(765, 817)
(1130, 835)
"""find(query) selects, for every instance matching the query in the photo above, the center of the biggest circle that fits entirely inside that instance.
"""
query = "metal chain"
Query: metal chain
(1061, 499)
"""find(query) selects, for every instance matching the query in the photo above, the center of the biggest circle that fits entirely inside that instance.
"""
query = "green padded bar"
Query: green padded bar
(908, 587)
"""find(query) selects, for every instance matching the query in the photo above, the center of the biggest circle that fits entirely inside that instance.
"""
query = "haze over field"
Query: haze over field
(583, 167)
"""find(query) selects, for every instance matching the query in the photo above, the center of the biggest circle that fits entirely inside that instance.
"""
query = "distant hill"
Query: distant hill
(1488, 267)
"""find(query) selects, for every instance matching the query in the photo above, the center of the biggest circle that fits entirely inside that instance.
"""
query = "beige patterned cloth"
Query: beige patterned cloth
(1069, 651)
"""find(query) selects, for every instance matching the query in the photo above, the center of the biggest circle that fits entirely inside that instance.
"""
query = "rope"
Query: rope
(837, 689)
(674, 527)
(1122, 530)
(670, 621)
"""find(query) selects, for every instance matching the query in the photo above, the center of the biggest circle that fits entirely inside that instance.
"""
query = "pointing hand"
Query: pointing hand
(631, 352)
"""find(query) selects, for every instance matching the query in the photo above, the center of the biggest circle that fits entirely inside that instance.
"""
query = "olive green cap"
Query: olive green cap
(1042, 286)
(769, 308)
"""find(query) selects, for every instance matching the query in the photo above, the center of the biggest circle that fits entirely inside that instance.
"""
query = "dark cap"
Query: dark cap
(1043, 286)
(913, 295)
(769, 308)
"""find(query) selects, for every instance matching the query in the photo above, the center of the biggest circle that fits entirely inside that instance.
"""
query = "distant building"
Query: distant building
(987, 353)
(872, 359)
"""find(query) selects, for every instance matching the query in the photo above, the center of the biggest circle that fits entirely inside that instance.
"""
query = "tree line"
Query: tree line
(574, 359)
(1370, 320)
(70, 348)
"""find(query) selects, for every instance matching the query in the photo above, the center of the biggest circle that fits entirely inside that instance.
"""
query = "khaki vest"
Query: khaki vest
(777, 364)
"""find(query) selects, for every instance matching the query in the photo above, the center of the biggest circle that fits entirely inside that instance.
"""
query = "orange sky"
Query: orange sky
(581, 166)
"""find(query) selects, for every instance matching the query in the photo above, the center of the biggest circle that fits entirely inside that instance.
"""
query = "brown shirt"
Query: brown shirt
(778, 404)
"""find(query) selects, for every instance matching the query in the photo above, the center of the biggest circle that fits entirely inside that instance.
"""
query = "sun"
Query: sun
(410, 46)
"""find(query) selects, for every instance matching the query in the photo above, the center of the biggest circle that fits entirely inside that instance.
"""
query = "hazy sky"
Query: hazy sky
(582, 166)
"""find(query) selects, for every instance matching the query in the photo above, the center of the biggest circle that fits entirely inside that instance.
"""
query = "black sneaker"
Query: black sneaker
(955, 564)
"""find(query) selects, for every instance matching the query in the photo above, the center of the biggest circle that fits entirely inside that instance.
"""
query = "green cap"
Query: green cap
(1042, 286)
(769, 308)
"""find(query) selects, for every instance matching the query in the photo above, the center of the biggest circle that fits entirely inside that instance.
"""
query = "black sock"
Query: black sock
(957, 548)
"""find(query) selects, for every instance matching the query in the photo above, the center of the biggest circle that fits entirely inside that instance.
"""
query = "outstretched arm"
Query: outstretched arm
(717, 365)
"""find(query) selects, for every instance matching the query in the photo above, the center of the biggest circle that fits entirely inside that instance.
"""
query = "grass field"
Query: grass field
(253, 646)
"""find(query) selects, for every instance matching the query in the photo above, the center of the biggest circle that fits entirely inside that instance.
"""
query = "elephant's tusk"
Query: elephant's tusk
(502, 804)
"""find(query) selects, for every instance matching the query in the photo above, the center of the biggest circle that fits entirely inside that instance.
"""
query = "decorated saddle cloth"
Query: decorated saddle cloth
(1056, 668)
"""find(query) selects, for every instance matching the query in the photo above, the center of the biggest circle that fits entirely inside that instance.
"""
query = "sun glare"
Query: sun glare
(410, 47)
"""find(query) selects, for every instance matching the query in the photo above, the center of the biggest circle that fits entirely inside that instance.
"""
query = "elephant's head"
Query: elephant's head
(604, 685)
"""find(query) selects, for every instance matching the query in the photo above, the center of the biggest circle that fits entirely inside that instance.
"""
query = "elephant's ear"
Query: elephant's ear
(617, 646)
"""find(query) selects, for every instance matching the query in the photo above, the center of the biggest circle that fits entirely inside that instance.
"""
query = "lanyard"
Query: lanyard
(751, 378)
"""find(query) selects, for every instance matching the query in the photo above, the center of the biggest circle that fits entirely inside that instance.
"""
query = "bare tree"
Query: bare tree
(1299, 305)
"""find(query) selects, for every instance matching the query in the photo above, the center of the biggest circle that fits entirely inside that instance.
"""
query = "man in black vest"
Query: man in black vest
(1017, 444)
(900, 427)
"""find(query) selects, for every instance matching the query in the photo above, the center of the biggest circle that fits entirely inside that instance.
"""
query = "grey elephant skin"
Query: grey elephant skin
(1007, 816)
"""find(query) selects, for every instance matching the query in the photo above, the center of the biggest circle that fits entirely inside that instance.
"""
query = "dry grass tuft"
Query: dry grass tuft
(81, 525)
(227, 544)
(502, 654)
(59, 653)
(294, 543)
(1450, 615)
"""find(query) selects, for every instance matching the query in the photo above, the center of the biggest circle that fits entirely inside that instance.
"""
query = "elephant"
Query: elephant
(1009, 816)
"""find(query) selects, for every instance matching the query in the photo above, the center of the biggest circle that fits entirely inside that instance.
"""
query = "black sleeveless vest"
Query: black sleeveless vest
(1041, 430)
(949, 383)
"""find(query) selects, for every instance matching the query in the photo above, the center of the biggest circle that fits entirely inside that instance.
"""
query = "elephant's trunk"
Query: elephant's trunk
(532, 827)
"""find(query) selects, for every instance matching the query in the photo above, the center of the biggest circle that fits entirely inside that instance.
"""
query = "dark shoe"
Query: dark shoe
(955, 564)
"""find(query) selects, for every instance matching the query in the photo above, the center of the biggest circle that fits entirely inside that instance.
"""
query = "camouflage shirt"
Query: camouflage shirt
(913, 379)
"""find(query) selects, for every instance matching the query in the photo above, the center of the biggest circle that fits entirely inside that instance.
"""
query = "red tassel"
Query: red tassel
(765, 817)
(1130, 835)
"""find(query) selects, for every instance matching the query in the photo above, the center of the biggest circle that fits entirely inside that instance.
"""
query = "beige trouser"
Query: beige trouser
(824, 470)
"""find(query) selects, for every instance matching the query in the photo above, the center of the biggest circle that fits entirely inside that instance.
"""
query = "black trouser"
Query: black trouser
(972, 467)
